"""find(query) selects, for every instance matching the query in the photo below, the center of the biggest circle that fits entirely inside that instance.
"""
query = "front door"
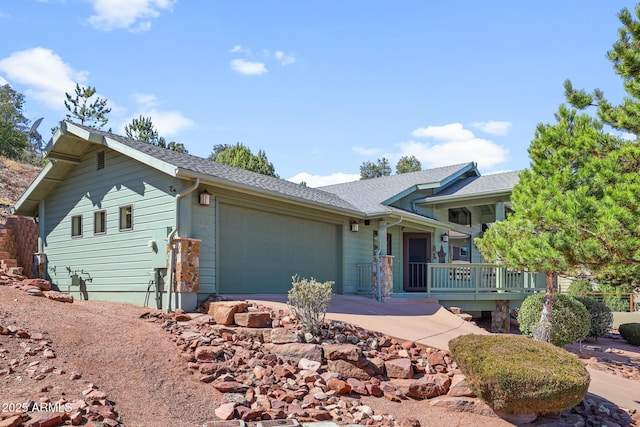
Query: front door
(416, 254)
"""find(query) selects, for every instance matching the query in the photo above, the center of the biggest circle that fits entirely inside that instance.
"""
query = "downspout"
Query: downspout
(172, 234)
(382, 227)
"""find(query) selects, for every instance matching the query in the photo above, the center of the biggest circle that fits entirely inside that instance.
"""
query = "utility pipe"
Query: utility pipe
(382, 227)
(172, 234)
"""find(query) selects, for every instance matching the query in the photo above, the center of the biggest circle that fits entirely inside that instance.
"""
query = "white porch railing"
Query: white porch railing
(458, 278)
(480, 278)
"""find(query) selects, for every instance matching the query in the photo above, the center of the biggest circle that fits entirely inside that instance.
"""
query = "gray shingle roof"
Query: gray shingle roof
(368, 195)
(233, 175)
(478, 185)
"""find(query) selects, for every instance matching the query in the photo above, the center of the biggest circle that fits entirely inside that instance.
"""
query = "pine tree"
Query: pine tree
(92, 114)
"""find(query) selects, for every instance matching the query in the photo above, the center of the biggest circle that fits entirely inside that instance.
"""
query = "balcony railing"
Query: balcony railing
(463, 279)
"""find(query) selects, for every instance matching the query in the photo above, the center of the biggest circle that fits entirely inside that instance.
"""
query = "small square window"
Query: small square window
(100, 222)
(126, 218)
(76, 226)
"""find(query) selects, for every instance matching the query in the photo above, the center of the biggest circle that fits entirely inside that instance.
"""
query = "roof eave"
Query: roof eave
(454, 198)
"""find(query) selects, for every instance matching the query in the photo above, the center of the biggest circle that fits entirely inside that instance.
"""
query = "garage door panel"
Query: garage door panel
(260, 251)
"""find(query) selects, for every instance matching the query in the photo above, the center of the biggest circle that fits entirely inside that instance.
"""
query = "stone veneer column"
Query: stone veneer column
(500, 318)
(187, 255)
(383, 268)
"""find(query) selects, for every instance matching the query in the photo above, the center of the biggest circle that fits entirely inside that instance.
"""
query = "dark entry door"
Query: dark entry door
(416, 254)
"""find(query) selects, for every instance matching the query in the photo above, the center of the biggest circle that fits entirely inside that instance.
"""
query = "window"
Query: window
(76, 226)
(126, 218)
(99, 222)
(100, 160)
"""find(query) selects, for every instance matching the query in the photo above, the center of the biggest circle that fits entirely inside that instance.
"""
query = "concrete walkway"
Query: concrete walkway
(432, 325)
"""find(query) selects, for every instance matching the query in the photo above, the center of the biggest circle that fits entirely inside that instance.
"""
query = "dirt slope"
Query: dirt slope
(15, 177)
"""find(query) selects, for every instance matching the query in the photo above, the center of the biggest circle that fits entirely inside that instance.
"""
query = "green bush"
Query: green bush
(630, 332)
(308, 301)
(570, 320)
(579, 288)
(601, 317)
(519, 375)
(616, 302)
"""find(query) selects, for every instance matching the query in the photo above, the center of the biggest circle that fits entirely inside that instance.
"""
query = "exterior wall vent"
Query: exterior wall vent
(100, 158)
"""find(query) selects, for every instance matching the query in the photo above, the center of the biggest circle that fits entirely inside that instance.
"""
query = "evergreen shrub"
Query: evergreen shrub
(519, 375)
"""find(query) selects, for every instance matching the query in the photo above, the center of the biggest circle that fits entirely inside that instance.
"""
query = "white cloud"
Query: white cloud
(133, 15)
(284, 58)
(628, 136)
(486, 153)
(45, 74)
(239, 49)
(492, 127)
(248, 68)
(3, 82)
(320, 181)
(167, 123)
(454, 144)
(145, 99)
(366, 152)
(450, 132)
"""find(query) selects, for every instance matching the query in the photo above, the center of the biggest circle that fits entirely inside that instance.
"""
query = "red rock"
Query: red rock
(253, 319)
(13, 421)
(436, 358)
(408, 422)
(43, 285)
(49, 354)
(407, 345)
(374, 390)
(463, 404)
(94, 396)
(339, 386)
(182, 317)
(460, 388)
(319, 414)
(208, 353)
(358, 386)
(424, 388)
(341, 351)
(76, 417)
(347, 369)
(223, 311)
(284, 336)
(59, 296)
(226, 411)
(44, 419)
(230, 387)
(399, 368)
(295, 351)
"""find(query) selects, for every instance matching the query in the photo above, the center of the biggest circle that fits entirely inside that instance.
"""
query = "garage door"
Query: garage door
(260, 251)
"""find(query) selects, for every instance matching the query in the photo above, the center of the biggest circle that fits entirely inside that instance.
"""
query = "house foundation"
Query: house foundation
(500, 319)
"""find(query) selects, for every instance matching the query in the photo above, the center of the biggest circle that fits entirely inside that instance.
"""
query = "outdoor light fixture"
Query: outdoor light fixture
(204, 198)
(444, 237)
(354, 226)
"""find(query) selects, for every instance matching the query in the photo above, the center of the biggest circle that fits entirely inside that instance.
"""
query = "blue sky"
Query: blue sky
(321, 86)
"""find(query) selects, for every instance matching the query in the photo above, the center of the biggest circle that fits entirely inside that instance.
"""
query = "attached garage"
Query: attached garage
(261, 250)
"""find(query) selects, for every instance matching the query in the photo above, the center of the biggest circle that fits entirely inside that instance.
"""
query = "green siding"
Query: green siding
(203, 227)
(119, 262)
(261, 250)
(358, 250)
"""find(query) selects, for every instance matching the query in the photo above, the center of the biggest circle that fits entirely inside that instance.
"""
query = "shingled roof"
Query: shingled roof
(369, 195)
(219, 172)
(477, 186)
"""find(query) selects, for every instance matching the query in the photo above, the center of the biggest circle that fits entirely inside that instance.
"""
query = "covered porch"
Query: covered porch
(468, 285)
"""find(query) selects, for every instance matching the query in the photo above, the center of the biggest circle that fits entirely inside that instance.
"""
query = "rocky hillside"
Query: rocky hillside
(15, 177)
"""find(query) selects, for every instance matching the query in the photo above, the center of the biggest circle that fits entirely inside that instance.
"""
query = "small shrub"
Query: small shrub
(630, 332)
(601, 317)
(519, 375)
(308, 301)
(570, 320)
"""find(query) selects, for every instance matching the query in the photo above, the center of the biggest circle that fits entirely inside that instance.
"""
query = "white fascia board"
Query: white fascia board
(41, 177)
(455, 198)
(148, 160)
